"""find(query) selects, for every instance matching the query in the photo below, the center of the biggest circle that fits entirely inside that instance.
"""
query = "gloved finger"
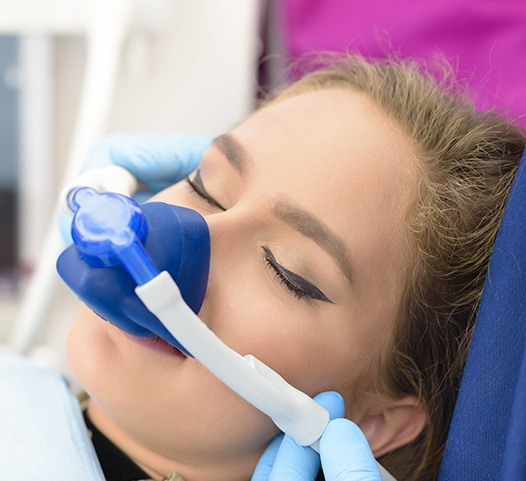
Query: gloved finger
(286, 460)
(345, 453)
(265, 463)
(160, 158)
(333, 402)
(294, 462)
(297, 463)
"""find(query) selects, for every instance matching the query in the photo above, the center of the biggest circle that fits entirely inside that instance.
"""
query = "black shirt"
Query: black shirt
(116, 464)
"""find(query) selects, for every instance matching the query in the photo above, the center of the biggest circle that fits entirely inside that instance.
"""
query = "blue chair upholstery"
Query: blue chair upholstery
(487, 438)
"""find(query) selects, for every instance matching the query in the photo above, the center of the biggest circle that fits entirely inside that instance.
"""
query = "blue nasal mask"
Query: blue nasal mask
(144, 268)
(119, 245)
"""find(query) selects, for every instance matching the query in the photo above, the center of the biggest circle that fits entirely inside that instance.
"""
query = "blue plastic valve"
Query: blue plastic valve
(109, 229)
(119, 244)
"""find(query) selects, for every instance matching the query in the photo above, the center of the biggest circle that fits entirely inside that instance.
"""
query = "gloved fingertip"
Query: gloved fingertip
(201, 142)
(346, 454)
(333, 402)
(345, 430)
(295, 462)
(195, 149)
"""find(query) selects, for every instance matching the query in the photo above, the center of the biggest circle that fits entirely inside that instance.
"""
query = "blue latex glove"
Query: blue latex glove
(344, 451)
(157, 161)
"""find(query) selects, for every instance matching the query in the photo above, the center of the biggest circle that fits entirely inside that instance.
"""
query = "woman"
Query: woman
(351, 220)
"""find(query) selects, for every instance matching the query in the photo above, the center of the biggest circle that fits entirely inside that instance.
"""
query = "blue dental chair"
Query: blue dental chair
(487, 437)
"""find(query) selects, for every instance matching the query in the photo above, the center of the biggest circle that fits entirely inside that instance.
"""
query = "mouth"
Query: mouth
(158, 344)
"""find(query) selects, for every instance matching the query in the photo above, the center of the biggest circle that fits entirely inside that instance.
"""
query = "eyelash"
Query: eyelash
(194, 189)
(297, 291)
(308, 292)
(270, 261)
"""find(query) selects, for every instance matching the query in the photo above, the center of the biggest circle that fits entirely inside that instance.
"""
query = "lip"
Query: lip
(157, 344)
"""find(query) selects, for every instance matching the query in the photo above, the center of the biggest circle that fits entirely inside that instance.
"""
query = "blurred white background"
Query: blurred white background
(156, 66)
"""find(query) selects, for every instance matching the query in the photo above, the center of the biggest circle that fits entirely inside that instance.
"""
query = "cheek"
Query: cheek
(170, 194)
(89, 347)
(99, 357)
(149, 394)
(312, 351)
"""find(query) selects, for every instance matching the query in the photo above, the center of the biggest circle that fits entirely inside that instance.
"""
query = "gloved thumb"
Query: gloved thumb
(333, 402)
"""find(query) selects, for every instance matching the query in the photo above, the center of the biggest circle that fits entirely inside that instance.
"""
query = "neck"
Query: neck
(158, 466)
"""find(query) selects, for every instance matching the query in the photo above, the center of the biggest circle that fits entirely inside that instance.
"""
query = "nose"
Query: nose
(233, 234)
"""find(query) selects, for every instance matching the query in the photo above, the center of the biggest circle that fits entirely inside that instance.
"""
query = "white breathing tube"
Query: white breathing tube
(293, 412)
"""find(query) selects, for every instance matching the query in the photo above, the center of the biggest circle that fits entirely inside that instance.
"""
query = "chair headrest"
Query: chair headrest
(481, 442)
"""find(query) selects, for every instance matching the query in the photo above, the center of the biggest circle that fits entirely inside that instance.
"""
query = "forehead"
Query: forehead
(326, 129)
(335, 153)
(330, 141)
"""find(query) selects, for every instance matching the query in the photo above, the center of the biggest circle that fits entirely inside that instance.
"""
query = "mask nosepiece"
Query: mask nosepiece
(119, 244)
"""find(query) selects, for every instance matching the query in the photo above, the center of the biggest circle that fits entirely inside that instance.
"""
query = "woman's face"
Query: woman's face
(305, 201)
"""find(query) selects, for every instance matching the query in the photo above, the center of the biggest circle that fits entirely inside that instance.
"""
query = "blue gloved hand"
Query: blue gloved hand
(344, 451)
(157, 161)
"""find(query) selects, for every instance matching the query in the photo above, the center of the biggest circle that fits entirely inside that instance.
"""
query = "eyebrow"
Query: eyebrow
(285, 209)
(234, 152)
(310, 226)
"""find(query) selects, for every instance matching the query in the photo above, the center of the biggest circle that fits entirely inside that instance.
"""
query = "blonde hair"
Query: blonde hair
(467, 162)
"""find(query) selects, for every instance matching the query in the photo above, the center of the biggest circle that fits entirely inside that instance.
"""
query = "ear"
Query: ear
(392, 425)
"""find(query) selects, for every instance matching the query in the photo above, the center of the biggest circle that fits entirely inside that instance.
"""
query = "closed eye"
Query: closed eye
(300, 287)
(197, 187)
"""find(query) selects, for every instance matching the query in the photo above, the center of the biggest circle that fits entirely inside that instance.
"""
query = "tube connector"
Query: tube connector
(109, 229)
